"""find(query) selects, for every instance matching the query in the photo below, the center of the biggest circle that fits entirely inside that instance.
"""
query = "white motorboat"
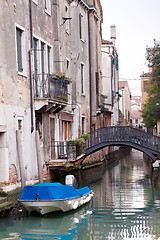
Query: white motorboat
(49, 197)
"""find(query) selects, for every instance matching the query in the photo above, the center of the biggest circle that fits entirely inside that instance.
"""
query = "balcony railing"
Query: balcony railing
(68, 150)
(51, 87)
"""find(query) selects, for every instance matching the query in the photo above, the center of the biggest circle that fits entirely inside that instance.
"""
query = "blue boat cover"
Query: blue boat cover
(51, 191)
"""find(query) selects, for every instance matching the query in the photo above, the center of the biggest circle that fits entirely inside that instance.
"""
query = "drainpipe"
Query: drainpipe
(30, 65)
(90, 80)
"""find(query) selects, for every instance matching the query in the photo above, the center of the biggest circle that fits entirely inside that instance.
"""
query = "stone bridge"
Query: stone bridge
(123, 136)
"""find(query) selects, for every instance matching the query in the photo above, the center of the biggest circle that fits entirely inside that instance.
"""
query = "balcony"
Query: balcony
(65, 152)
(50, 90)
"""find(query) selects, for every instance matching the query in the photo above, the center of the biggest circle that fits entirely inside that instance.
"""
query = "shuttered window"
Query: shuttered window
(35, 44)
(49, 59)
(19, 49)
(80, 25)
(42, 64)
(82, 78)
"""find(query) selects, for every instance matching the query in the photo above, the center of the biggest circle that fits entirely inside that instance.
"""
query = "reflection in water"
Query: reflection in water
(124, 206)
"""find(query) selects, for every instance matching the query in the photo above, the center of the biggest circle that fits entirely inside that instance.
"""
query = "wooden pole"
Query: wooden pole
(39, 159)
(20, 158)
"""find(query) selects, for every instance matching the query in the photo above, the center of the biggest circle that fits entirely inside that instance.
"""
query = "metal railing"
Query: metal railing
(50, 86)
(58, 150)
(123, 134)
(65, 150)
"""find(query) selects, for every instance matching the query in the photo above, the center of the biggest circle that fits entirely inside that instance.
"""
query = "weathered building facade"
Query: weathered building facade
(50, 77)
(110, 79)
(125, 100)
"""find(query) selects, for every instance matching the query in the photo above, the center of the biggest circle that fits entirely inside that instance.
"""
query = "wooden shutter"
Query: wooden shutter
(19, 49)
(49, 57)
(35, 66)
(42, 66)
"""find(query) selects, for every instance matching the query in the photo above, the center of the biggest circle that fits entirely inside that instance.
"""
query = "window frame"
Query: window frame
(23, 71)
(48, 7)
(35, 2)
(83, 119)
(67, 15)
(82, 69)
(44, 63)
(81, 33)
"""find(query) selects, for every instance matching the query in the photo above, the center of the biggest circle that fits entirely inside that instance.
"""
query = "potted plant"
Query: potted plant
(63, 78)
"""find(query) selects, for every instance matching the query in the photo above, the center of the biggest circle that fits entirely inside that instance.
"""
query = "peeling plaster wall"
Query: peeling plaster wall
(15, 91)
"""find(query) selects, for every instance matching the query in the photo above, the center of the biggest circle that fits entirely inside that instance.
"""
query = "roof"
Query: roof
(122, 84)
(145, 74)
(106, 42)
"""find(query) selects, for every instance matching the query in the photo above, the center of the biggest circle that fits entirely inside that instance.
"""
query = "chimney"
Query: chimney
(113, 33)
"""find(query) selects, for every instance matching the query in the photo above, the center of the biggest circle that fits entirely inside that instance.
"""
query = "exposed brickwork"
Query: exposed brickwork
(12, 176)
(46, 172)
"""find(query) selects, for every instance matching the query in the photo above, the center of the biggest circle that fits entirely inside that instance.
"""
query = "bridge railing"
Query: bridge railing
(123, 134)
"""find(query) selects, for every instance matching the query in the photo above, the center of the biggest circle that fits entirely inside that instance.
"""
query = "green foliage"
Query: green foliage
(151, 111)
(63, 76)
(85, 136)
(120, 113)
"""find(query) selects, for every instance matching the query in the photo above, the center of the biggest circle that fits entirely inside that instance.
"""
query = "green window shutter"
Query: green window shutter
(117, 65)
(49, 59)
(35, 66)
(35, 56)
(113, 60)
(42, 65)
(19, 49)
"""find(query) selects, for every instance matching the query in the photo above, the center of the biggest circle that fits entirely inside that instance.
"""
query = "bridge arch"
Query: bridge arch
(123, 136)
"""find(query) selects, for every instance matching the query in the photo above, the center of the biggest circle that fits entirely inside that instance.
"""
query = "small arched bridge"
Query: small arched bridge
(123, 136)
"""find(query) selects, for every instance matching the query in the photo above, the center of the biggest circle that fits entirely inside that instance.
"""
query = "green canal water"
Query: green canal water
(124, 206)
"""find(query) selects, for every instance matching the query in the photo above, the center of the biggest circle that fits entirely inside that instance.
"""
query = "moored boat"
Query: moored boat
(49, 197)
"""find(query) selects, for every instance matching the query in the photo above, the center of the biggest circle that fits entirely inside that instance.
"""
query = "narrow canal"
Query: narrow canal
(124, 206)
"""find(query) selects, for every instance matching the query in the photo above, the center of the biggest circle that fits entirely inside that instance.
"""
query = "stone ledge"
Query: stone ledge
(3, 128)
(6, 205)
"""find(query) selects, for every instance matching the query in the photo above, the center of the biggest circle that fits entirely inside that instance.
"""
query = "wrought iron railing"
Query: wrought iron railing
(50, 86)
(123, 134)
(65, 150)
(58, 150)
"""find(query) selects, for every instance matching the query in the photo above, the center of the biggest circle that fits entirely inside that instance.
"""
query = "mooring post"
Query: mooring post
(20, 158)
(39, 159)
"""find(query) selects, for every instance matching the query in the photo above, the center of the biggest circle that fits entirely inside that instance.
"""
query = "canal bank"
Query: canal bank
(122, 208)
(87, 174)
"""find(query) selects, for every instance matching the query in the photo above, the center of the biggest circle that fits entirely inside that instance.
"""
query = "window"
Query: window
(20, 50)
(66, 130)
(35, 45)
(42, 65)
(20, 125)
(80, 26)
(43, 56)
(83, 125)
(68, 68)
(82, 79)
(144, 85)
(49, 59)
(67, 64)
(67, 16)
(48, 6)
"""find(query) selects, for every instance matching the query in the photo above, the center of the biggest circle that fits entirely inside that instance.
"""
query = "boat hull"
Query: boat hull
(47, 206)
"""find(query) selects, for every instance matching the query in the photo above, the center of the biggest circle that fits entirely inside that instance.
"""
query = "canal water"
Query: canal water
(124, 206)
